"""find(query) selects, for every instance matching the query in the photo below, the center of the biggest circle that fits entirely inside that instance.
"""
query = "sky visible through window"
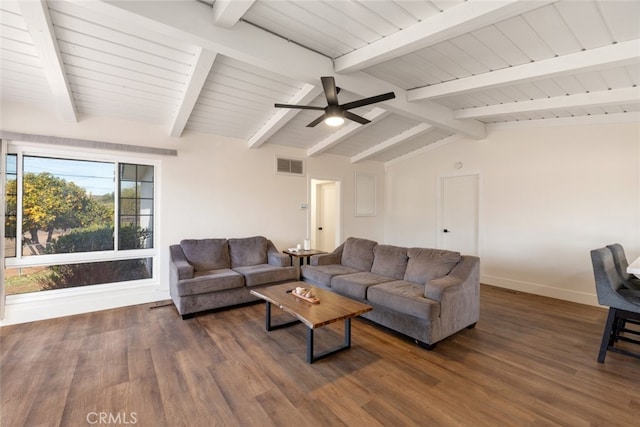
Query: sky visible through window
(97, 178)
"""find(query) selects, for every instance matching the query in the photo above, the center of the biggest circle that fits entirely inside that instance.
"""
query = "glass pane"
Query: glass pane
(127, 172)
(145, 190)
(12, 164)
(147, 241)
(127, 221)
(146, 206)
(145, 173)
(10, 224)
(34, 279)
(136, 207)
(133, 237)
(128, 188)
(146, 222)
(67, 206)
(128, 206)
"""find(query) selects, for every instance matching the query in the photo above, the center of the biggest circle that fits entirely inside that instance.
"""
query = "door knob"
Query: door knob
(445, 230)
(320, 228)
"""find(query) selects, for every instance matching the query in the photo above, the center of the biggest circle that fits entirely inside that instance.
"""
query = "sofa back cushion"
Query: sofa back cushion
(390, 261)
(206, 254)
(427, 264)
(358, 253)
(248, 251)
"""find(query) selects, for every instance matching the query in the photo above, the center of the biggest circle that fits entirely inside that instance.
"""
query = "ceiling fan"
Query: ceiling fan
(334, 113)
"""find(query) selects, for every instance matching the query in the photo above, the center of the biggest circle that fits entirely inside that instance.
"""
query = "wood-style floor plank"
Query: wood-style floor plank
(530, 361)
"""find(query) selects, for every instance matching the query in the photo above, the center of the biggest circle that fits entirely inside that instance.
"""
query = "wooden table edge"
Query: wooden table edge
(365, 307)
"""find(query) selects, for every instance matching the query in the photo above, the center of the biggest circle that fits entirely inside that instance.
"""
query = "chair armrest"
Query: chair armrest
(179, 264)
(334, 257)
(275, 257)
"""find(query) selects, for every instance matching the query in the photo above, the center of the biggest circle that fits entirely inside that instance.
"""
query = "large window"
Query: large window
(75, 222)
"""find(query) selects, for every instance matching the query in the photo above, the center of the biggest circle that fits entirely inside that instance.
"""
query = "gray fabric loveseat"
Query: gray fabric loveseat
(212, 273)
(426, 294)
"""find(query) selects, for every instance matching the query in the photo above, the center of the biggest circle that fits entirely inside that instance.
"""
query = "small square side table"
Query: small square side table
(302, 254)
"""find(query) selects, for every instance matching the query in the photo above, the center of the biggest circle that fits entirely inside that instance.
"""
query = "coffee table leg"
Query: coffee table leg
(267, 323)
(347, 333)
(347, 343)
(310, 358)
(268, 317)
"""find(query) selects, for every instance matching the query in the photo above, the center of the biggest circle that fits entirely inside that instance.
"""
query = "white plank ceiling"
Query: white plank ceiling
(217, 67)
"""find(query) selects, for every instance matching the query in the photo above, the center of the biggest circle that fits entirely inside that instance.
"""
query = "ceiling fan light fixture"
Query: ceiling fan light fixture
(336, 113)
(334, 121)
(334, 116)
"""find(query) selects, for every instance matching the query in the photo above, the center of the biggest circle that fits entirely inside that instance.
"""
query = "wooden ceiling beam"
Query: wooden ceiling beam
(614, 55)
(199, 72)
(305, 95)
(461, 19)
(629, 95)
(405, 136)
(38, 21)
(227, 13)
(246, 43)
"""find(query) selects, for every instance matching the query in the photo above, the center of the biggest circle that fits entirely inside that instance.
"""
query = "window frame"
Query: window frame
(40, 150)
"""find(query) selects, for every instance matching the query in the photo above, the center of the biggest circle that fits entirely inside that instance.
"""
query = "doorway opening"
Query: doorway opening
(324, 214)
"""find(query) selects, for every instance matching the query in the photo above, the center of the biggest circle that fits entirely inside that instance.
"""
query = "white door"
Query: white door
(459, 214)
(326, 211)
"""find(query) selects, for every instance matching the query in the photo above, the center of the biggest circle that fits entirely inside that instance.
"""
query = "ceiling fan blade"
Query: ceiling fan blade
(316, 121)
(330, 91)
(367, 101)
(302, 107)
(356, 118)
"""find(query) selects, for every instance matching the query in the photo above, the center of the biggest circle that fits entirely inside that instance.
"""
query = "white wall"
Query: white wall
(218, 187)
(548, 196)
(215, 187)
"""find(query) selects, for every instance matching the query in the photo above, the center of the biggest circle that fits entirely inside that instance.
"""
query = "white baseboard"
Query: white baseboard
(67, 302)
(537, 289)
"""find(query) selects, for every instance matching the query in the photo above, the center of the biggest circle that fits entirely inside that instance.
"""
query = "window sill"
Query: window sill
(66, 302)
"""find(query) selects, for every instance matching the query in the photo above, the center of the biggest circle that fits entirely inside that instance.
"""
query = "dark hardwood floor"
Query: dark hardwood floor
(530, 361)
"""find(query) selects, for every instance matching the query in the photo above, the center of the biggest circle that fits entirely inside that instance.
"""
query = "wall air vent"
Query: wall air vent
(289, 166)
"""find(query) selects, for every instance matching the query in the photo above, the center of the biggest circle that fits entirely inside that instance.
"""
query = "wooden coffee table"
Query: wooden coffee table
(330, 309)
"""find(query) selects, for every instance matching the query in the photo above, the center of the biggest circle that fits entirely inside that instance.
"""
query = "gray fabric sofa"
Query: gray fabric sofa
(426, 294)
(207, 274)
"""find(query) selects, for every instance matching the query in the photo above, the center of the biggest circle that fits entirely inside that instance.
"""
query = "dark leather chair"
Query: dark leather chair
(623, 303)
(620, 259)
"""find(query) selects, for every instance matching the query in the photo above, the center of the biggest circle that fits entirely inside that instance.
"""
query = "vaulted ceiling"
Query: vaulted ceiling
(217, 67)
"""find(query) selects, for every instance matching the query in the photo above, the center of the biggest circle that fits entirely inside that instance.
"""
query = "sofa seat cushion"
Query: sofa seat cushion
(390, 261)
(260, 274)
(322, 274)
(355, 285)
(210, 281)
(206, 254)
(248, 251)
(427, 264)
(404, 297)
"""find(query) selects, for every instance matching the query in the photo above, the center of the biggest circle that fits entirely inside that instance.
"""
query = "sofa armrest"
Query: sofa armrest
(275, 257)
(458, 294)
(179, 264)
(334, 257)
(464, 275)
